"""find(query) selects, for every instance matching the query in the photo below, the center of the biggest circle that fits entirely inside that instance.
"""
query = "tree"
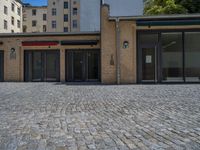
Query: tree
(161, 7)
(193, 6)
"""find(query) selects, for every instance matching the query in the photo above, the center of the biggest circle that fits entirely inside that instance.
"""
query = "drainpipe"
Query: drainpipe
(118, 72)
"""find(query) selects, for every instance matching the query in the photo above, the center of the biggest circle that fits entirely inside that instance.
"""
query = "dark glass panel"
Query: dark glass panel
(93, 65)
(192, 56)
(172, 57)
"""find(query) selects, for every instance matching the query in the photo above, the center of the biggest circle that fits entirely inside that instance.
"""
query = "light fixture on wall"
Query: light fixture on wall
(125, 44)
(12, 53)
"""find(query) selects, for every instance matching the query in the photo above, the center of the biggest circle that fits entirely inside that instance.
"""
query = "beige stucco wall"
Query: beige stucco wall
(59, 18)
(28, 18)
(14, 68)
(109, 50)
(128, 55)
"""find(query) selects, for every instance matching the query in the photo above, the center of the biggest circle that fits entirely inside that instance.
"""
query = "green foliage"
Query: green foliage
(193, 6)
(161, 7)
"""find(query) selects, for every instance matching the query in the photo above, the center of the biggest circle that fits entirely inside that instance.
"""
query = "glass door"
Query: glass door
(149, 69)
(1, 66)
(78, 66)
(93, 65)
(51, 66)
(37, 74)
(41, 66)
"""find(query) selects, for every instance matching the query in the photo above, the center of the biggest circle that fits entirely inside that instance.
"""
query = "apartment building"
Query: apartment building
(34, 18)
(63, 16)
(11, 16)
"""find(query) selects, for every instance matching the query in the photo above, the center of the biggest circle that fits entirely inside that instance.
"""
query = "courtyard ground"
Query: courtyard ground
(54, 116)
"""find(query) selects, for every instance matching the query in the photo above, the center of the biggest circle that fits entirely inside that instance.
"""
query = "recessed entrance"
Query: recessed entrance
(42, 66)
(1, 66)
(168, 56)
(149, 64)
(82, 65)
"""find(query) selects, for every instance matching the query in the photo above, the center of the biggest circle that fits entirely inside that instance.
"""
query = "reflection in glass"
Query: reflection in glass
(192, 56)
(37, 66)
(172, 52)
(93, 60)
(51, 62)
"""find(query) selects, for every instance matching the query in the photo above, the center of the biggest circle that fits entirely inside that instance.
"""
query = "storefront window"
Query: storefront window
(172, 52)
(146, 39)
(192, 56)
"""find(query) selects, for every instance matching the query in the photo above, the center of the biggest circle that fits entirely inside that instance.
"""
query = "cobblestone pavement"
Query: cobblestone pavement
(53, 116)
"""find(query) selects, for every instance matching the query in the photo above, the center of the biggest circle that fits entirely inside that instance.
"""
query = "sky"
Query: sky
(36, 2)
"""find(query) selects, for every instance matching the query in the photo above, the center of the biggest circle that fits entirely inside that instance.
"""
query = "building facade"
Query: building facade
(128, 50)
(34, 18)
(63, 16)
(11, 16)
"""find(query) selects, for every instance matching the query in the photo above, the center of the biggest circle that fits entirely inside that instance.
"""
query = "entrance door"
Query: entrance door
(51, 66)
(93, 65)
(78, 66)
(83, 65)
(1, 66)
(42, 66)
(37, 66)
(149, 70)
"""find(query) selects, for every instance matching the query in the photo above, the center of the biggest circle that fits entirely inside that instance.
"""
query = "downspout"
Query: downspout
(118, 70)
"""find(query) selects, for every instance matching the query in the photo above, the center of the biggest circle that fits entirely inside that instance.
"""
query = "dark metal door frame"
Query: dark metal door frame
(153, 46)
(28, 68)
(1, 66)
(70, 66)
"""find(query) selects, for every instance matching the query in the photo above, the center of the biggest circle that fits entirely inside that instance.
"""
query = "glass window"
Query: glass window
(53, 24)
(172, 60)
(5, 10)
(75, 11)
(24, 28)
(65, 5)
(13, 7)
(148, 39)
(12, 20)
(65, 29)
(18, 24)
(19, 11)
(5, 24)
(44, 28)
(65, 17)
(192, 56)
(53, 11)
(44, 17)
(24, 17)
(75, 24)
(34, 23)
(34, 12)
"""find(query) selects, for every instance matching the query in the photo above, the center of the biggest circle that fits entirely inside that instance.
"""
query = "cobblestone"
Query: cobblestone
(54, 116)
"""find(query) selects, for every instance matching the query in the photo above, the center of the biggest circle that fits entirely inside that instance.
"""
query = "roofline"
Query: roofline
(19, 1)
(30, 6)
(161, 17)
(4, 35)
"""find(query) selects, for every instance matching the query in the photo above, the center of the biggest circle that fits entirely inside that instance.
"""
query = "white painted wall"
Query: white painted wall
(7, 17)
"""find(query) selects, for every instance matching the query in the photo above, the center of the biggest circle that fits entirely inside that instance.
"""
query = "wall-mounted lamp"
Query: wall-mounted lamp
(125, 44)
(12, 53)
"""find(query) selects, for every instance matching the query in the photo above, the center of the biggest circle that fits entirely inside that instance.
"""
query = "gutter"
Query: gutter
(118, 70)
(159, 17)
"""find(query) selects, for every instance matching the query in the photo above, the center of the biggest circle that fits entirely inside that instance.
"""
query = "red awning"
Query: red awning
(40, 43)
